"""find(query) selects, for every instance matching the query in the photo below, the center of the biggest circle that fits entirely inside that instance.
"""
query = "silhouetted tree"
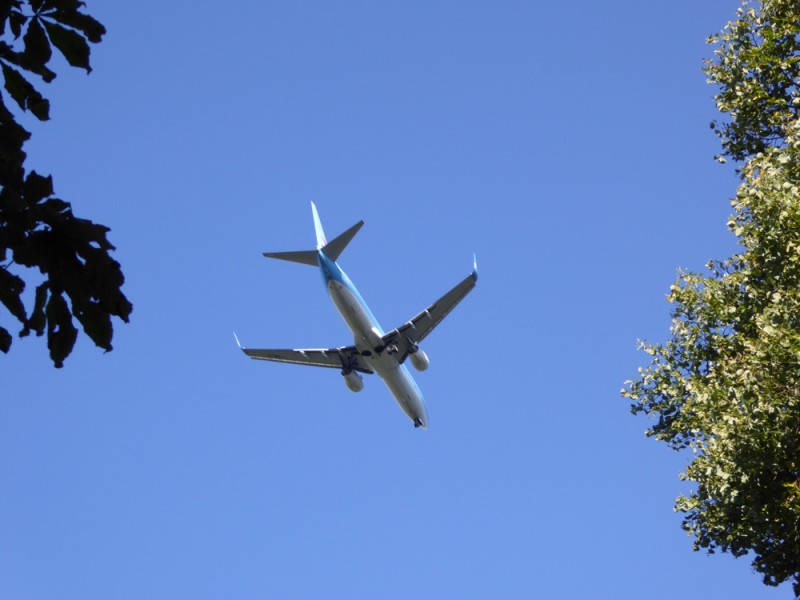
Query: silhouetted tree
(37, 229)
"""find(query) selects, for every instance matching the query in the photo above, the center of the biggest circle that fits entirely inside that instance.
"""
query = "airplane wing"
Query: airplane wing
(407, 336)
(345, 357)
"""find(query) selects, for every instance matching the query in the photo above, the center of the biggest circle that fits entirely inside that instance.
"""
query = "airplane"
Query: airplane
(375, 351)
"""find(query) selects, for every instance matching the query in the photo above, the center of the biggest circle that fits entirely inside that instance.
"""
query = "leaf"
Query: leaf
(71, 44)
(5, 340)
(11, 288)
(16, 21)
(12, 137)
(37, 320)
(37, 187)
(24, 94)
(61, 333)
(90, 27)
(56, 205)
(67, 5)
(96, 324)
(37, 47)
(24, 61)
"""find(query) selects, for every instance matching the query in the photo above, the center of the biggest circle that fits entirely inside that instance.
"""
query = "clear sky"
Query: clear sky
(567, 144)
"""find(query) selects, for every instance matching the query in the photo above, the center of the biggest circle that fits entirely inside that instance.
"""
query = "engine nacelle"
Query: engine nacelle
(420, 360)
(353, 381)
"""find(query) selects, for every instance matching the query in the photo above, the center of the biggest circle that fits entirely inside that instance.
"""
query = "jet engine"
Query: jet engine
(353, 381)
(420, 360)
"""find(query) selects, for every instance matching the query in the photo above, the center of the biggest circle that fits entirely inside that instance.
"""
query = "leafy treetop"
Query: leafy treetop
(727, 383)
(756, 66)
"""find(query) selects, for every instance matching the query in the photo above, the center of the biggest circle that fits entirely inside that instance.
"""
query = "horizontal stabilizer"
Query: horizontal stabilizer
(335, 247)
(307, 257)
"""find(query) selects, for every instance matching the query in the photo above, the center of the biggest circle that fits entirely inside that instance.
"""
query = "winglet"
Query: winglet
(474, 267)
(238, 343)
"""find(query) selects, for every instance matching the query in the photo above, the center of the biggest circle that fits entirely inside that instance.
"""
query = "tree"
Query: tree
(37, 229)
(757, 67)
(727, 383)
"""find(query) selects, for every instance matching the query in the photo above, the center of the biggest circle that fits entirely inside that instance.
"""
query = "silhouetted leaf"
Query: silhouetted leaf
(16, 21)
(5, 340)
(5, 12)
(71, 44)
(11, 288)
(91, 28)
(37, 187)
(88, 232)
(37, 320)
(24, 61)
(37, 47)
(65, 5)
(12, 137)
(56, 205)
(24, 94)
(96, 323)
(36, 250)
(61, 333)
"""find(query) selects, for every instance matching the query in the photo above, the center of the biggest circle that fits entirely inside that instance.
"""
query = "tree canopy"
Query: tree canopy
(756, 66)
(727, 383)
(37, 229)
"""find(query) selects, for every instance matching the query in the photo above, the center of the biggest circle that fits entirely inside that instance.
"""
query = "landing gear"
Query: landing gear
(417, 422)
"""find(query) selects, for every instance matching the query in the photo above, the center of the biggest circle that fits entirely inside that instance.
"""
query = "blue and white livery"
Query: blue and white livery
(375, 351)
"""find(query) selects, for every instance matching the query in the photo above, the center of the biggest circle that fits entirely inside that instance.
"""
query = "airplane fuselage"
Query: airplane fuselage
(374, 350)
(367, 333)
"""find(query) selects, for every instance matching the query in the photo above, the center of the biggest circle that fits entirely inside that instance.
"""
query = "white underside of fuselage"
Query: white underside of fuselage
(367, 334)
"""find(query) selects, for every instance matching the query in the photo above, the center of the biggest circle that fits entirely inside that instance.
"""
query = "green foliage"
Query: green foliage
(757, 67)
(727, 383)
(38, 230)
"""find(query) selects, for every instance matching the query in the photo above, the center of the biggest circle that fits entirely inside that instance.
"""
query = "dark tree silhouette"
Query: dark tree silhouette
(37, 229)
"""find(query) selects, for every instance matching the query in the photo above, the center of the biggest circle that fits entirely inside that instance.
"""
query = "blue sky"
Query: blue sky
(567, 144)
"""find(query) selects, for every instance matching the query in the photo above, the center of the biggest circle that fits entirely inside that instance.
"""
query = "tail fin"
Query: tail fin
(332, 249)
(321, 241)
